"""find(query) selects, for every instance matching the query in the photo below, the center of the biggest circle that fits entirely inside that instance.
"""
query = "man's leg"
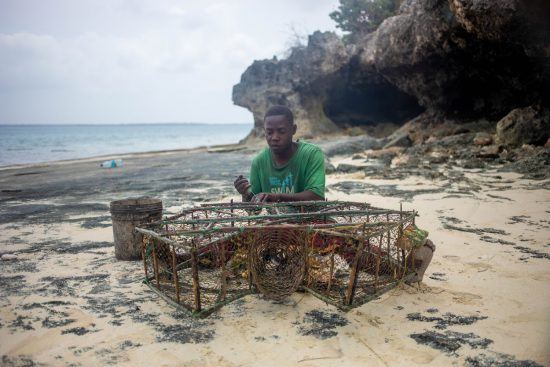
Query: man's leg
(422, 258)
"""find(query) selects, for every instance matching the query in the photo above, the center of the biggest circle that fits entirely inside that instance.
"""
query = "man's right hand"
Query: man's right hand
(241, 184)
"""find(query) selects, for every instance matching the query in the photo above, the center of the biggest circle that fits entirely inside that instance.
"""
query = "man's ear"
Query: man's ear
(294, 129)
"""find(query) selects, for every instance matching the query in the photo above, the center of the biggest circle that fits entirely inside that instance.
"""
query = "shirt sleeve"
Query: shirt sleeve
(315, 173)
(256, 187)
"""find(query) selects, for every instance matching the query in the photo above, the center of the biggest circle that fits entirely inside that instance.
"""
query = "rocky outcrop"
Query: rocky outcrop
(326, 88)
(291, 83)
(457, 59)
(530, 125)
(521, 22)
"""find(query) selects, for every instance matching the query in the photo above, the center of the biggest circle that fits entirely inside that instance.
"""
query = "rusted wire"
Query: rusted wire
(277, 261)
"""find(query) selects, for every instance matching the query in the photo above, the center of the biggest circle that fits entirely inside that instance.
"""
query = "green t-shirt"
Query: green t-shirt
(305, 171)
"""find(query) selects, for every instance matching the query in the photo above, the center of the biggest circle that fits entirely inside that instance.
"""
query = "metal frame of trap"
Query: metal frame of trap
(196, 228)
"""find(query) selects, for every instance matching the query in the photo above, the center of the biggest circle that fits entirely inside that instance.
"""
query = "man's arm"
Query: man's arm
(315, 174)
(273, 198)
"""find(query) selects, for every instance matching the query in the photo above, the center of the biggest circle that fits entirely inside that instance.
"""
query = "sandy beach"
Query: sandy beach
(66, 301)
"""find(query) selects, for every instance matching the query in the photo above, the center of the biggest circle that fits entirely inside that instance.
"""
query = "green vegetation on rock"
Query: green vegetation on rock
(358, 17)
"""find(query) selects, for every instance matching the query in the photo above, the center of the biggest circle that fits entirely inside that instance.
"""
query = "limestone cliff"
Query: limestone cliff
(459, 59)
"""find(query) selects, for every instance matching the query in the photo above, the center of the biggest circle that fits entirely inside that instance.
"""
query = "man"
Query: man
(285, 170)
(295, 171)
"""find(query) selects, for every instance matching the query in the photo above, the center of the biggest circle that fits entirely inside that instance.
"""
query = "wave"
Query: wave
(17, 149)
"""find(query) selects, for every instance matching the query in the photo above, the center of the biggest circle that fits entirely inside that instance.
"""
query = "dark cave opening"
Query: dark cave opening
(493, 79)
(369, 104)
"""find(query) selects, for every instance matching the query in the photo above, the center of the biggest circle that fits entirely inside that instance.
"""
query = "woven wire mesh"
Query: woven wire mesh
(277, 261)
(348, 271)
(345, 253)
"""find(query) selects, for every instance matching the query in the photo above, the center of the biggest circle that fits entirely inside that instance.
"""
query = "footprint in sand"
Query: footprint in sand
(452, 258)
(424, 358)
(466, 298)
(480, 267)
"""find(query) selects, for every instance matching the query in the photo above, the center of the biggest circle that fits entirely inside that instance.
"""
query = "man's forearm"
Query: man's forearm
(301, 196)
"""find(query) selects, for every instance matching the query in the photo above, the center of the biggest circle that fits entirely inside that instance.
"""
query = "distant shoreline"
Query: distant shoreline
(222, 148)
(39, 144)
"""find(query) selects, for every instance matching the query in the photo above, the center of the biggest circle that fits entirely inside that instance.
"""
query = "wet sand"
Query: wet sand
(65, 300)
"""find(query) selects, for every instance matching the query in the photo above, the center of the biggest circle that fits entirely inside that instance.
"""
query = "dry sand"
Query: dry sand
(485, 299)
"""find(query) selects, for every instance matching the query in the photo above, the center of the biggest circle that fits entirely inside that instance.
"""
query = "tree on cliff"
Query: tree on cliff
(358, 17)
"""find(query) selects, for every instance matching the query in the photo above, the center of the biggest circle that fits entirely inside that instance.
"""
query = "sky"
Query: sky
(140, 61)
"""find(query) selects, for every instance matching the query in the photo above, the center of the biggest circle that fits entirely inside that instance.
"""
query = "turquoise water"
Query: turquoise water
(20, 144)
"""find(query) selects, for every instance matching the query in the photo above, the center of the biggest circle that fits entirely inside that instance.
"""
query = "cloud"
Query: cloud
(138, 60)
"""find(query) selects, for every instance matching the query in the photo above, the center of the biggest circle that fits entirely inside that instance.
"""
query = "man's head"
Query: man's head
(279, 128)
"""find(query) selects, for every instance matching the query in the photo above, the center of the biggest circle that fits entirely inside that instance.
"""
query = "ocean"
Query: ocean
(22, 144)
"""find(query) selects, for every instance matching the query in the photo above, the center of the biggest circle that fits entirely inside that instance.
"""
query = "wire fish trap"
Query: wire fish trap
(344, 253)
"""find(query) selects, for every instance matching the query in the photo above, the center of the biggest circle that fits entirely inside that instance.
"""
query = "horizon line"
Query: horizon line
(122, 123)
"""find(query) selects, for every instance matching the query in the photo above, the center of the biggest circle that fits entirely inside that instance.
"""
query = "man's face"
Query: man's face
(278, 133)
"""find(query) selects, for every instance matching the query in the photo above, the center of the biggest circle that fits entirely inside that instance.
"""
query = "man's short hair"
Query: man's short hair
(278, 110)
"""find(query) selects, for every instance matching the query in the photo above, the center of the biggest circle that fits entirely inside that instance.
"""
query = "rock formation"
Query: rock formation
(292, 82)
(456, 59)
(524, 126)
